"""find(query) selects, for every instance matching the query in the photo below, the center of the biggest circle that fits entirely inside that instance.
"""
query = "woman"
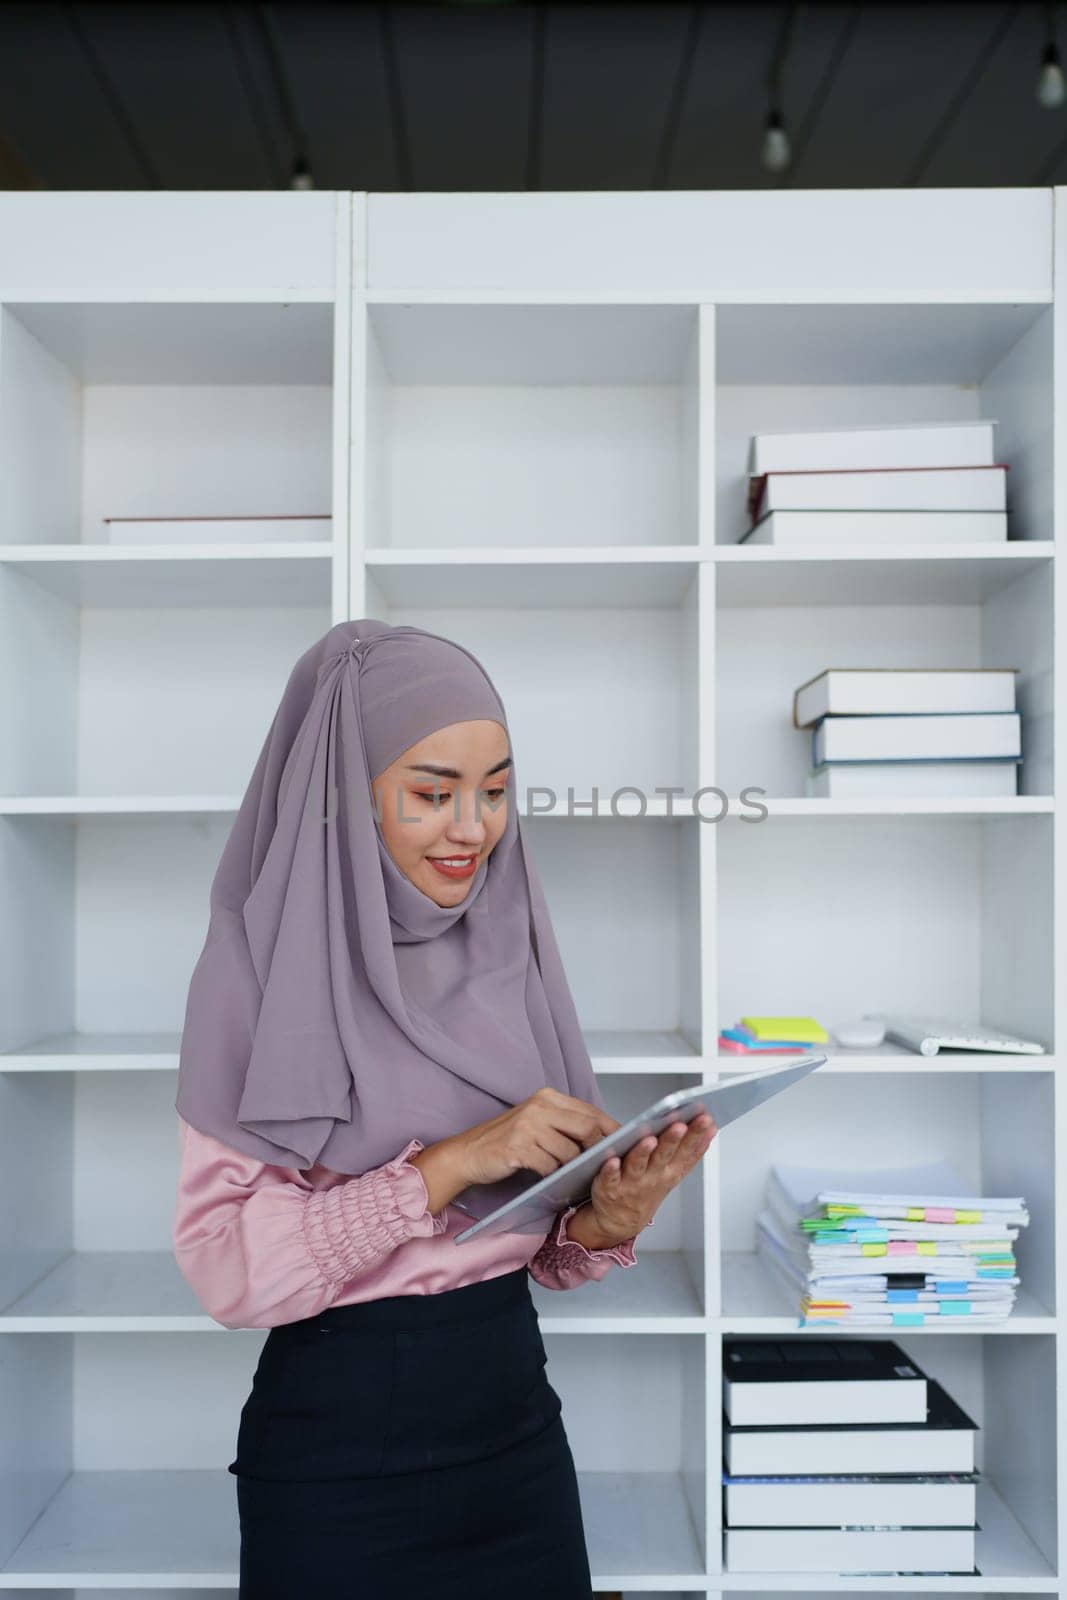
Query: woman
(379, 1017)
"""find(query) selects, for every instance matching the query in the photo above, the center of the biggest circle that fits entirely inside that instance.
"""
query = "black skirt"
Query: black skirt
(410, 1440)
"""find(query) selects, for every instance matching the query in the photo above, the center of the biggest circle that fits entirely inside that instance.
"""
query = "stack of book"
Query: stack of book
(843, 1456)
(910, 731)
(890, 1249)
(774, 1036)
(854, 487)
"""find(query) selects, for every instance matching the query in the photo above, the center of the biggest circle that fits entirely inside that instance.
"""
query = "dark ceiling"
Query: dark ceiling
(499, 96)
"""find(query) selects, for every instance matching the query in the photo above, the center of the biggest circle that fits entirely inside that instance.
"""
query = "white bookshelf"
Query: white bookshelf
(525, 416)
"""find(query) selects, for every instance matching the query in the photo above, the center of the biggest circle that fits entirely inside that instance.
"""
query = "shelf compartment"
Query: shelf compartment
(762, 660)
(635, 1421)
(997, 1381)
(475, 415)
(161, 409)
(600, 699)
(996, 1130)
(143, 1291)
(627, 972)
(186, 1531)
(199, 684)
(802, 367)
(928, 916)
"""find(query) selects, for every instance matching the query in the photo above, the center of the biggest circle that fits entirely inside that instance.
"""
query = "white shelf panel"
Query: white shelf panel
(174, 576)
(676, 808)
(179, 1528)
(754, 1303)
(1005, 1558)
(879, 575)
(891, 1058)
(954, 806)
(612, 1051)
(96, 1052)
(143, 1291)
(108, 805)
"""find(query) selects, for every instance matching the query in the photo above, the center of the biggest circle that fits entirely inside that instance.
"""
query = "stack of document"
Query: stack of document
(922, 483)
(901, 1248)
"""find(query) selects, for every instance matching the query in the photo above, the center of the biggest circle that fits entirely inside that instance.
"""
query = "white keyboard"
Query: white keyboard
(928, 1035)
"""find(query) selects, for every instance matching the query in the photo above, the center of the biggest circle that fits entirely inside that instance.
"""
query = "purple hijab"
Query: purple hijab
(336, 1011)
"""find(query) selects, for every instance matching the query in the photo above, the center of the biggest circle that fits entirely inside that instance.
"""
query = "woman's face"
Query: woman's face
(459, 821)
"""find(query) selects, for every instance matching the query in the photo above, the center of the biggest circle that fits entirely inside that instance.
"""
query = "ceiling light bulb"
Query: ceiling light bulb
(300, 177)
(776, 154)
(1051, 89)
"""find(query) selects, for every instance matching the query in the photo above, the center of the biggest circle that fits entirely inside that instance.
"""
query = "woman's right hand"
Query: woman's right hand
(542, 1133)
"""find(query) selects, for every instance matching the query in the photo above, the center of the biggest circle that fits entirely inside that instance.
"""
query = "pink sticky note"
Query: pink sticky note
(940, 1214)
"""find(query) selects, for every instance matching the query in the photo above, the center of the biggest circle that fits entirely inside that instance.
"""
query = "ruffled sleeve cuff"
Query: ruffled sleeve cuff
(623, 1253)
(352, 1226)
(563, 1263)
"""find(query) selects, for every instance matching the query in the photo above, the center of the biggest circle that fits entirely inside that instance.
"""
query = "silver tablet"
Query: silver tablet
(526, 1203)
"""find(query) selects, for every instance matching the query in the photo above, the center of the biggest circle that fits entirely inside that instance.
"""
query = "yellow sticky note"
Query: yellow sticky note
(968, 1216)
(805, 1030)
(926, 1247)
(873, 1249)
(916, 1214)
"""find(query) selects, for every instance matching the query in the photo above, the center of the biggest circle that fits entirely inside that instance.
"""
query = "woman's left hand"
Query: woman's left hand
(624, 1198)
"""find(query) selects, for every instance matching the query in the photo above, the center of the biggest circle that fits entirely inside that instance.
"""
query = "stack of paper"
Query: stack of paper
(774, 1036)
(890, 1249)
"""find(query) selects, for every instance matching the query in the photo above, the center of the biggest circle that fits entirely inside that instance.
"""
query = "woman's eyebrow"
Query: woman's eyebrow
(450, 772)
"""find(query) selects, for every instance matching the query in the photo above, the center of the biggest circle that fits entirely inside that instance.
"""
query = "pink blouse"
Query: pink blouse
(261, 1245)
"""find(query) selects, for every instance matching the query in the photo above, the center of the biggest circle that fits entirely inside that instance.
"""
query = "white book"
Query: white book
(860, 528)
(900, 691)
(844, 1501)
(896, 489)
(944, 1442)
(916, 738)
(928, 444)
(849, 1550)
(914, 780)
